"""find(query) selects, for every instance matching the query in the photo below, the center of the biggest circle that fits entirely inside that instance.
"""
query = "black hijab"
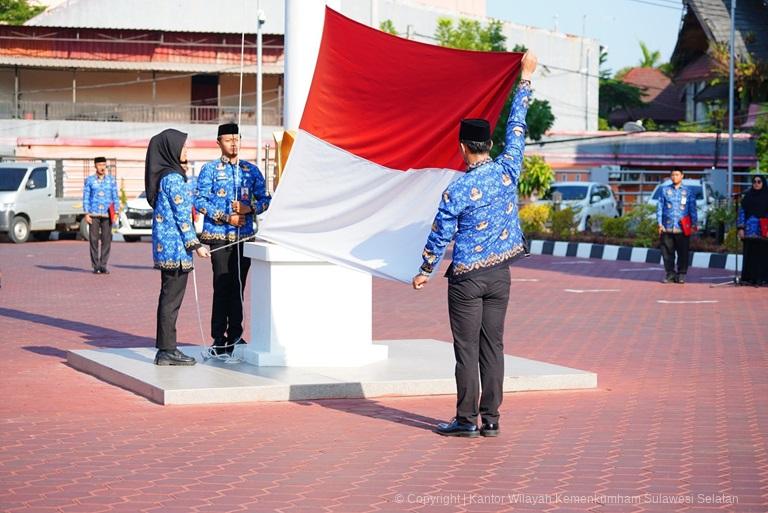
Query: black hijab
(163, 158)
(755, 203)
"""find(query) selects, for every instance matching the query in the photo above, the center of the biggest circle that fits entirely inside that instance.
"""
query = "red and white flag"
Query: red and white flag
(377, 145)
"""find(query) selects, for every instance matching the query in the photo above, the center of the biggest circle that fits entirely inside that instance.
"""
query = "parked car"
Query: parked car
(31, 205)
(705, 198)
(136, 219)
(587, 199)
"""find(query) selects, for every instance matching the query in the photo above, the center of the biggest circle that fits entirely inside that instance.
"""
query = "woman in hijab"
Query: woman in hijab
(173, 235)
(753, 230)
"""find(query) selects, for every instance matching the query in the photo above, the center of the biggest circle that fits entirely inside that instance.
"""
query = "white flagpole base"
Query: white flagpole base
(308, 313)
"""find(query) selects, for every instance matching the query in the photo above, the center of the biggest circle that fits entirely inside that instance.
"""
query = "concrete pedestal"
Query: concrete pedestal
(308, 313)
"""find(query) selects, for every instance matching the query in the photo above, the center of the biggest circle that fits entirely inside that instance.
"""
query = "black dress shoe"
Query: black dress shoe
(490, 429)
(670, 278)
(174, 357)
(97, 270)
(680, 278)
(104, 270)
(456, 428)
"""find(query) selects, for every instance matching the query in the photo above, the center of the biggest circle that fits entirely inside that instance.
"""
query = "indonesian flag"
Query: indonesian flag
(378, 144)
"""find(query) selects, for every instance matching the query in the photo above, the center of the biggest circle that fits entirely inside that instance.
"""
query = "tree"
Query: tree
(617, 95)
(650, 58)
(536, 177)
(470, 35)
(388, 26)
(16, 12)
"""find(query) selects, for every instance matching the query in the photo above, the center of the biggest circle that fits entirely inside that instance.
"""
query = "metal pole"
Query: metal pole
(730, 104)
(259, 76)
(16, 92)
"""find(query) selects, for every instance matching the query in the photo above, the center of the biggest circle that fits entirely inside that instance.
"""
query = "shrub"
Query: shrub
(642, 223)
(615, 226)
(564, 222)
(533, 217)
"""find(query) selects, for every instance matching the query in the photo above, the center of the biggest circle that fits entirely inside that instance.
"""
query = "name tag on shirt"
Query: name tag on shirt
(244, 193)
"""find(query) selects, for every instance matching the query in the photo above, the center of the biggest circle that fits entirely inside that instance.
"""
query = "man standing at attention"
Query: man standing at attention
(676, 214)
(479, 210)
(230, 192)
(100, 203)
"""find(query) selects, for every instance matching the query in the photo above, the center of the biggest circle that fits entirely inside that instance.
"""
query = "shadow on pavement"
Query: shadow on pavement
(97, 336)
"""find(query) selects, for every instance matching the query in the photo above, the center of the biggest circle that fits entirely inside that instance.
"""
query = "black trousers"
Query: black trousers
(173, 284)
(227, 311)
(477, 307)
(672, 243)
(100, 230)
(755, 268)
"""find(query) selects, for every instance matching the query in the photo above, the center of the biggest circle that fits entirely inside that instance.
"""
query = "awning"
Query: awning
(169, 67)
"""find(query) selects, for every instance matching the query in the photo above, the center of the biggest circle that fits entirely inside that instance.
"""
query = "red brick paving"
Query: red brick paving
(681, 412)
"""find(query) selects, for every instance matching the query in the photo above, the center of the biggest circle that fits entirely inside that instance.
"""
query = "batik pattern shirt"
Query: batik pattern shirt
(173, 232)
(750, 225)
(219, 184)
(674, 204)
(479, 209)
(99, 194)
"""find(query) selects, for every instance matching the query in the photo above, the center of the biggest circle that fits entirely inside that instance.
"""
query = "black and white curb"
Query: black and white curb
(630, 254)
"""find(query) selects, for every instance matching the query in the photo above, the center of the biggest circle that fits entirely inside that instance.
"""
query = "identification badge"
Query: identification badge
(683, 200)
(244, 193)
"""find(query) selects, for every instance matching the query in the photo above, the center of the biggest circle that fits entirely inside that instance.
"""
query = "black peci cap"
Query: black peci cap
(475, 130)
(99, 159)
(228, 128)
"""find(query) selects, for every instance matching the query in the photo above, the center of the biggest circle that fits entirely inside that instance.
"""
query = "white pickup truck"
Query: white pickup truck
(31, 204)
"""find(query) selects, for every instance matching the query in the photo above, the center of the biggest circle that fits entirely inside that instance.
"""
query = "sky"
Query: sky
(617, 24)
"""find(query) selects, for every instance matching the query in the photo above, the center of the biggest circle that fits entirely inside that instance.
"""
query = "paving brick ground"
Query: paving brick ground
(679, 422)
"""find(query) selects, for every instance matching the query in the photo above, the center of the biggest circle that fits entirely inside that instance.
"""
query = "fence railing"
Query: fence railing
(135, 113)
(128, 172)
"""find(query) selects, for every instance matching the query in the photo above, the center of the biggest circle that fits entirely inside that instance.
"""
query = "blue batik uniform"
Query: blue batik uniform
(219, 184)
(173, 232)
(479, 209)
(750, 225)
(674, 204)
(99, 194)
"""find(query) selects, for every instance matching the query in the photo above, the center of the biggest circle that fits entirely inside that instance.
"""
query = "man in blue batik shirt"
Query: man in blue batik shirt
(676, 201)
(479, 212)
(230, 192)
(99, 196)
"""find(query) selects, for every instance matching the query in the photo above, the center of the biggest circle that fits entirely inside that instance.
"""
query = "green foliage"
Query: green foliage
(563, 222)
(723, 215)
(16, 12)
(650, 58)
(471, 35)
(534, 217)
(388, 26)
(602, 124)
(616, 227)
(694, 126)
(536, 176)
(650, 125)
(732, 242)
(123, 195)
(761, 142)
(642, 222)
(616, 95)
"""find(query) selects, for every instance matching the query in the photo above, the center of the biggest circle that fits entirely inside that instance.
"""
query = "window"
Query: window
(40, 177)
(10, 178)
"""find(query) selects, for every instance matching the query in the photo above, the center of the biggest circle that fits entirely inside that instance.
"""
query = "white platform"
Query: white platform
(414, 368)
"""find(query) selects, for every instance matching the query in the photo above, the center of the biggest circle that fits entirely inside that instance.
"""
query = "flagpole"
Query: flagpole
(730, 104)
(259, 83)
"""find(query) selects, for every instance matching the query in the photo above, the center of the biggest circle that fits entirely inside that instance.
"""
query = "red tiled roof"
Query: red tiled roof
(702, 68)
(660, 96)
(650, 80)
